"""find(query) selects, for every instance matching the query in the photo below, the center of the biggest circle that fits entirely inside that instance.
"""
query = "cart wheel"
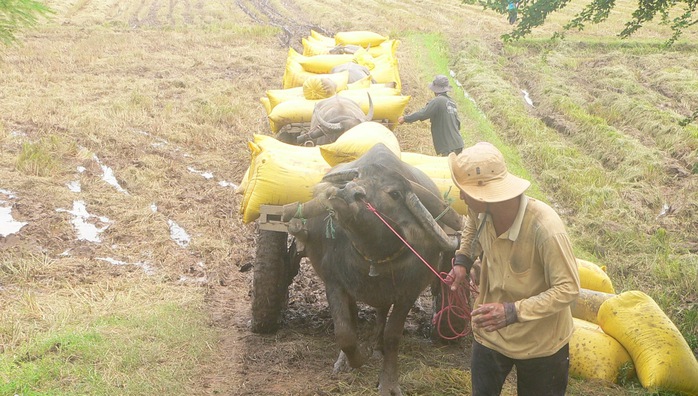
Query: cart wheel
(270, 282)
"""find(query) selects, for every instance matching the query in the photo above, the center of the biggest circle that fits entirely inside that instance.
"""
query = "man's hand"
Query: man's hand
(459, 274)
(494, 316)
(462, 269)
(490, 317)
(400, 120)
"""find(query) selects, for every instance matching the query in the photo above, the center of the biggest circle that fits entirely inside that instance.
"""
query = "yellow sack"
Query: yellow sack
(364, 58)
(362, 38)
(364, 83)
(386, 71)
(276, 96)
(322, 64)
(294, 74)
(375, 90)
(595, 354)
(434, 166)
(267, 104)
(279, 174)
(319, 88)
(355, 142)
(662, 357)
(593, 277)
(385, 107)
(312, 47)
(437, 170)
(388, 47)
(315, 47)
(322, 38)
(587, 304)
(301, 110)
(291, 111)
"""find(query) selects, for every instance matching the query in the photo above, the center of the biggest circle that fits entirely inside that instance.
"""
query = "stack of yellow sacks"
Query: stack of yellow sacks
(619, 335)
(308, 79)
(378, 54)
(281, 173)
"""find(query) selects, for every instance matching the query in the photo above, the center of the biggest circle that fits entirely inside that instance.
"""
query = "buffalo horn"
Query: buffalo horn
(369, 116)
(436, 206)
(328, 127)
(312, 208)
(428, 223)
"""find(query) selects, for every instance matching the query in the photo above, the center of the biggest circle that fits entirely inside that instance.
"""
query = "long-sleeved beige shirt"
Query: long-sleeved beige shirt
(533, 266)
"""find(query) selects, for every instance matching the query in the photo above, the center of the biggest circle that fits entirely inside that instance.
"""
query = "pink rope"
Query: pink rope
(458, 302)
(454, 306)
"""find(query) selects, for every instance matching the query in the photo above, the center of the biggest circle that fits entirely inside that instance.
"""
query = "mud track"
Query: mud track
(298, 359)
(293, 28)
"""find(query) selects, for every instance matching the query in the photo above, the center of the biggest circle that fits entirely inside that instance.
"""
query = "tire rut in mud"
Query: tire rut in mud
(293, 30)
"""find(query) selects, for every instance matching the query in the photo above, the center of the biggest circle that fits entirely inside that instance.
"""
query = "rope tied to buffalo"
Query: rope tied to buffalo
(455, 306)
(455, 310)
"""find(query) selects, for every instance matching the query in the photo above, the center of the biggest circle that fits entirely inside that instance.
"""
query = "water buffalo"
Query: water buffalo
(360, 259)
(355, 70)
(332, 117)
(345, 49)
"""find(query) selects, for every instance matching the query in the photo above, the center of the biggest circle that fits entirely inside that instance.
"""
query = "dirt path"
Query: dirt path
(297, 360)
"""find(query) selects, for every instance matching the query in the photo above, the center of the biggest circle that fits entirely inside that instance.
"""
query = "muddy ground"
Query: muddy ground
(298, 358)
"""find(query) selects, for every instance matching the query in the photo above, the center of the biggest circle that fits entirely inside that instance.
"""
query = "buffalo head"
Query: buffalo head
(332, 117)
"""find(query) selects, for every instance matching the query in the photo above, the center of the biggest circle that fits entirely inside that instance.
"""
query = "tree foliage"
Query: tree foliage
(17, 14)
(679, 15)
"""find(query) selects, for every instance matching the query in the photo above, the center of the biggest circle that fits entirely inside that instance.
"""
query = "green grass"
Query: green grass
(598, 171)
(589, 160)
(433, 58)
(132, 352)
(36, 159)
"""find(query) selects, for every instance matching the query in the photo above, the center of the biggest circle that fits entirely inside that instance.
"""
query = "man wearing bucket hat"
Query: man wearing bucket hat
(443, 114)
(527, 282)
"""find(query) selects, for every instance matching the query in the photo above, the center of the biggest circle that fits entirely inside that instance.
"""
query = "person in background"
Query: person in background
(527, 280)
(443, 115)
(513, 10)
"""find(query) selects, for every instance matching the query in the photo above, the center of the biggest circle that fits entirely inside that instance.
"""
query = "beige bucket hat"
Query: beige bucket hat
(480, 171)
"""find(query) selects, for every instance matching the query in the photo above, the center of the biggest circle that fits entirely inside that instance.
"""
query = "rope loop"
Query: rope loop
(455, 310)
(458, 304)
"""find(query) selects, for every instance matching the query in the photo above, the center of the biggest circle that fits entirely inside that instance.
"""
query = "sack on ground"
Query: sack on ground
(593, 277)
(663, 360)
(596, 355)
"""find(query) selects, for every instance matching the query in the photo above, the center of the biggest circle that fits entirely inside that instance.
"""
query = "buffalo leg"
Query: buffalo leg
(388, 383)
(345, 318)
(381, 318)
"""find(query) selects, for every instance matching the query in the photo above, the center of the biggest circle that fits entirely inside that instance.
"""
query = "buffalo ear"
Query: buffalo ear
(343, 176)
